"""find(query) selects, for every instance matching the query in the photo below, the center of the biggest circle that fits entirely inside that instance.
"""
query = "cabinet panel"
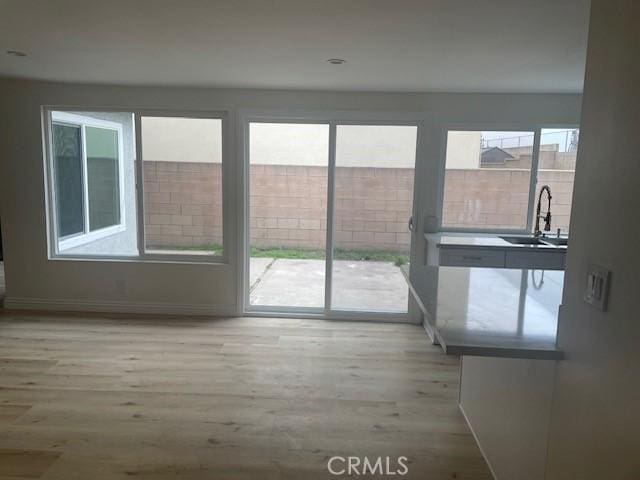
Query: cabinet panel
(459, 257)
(540, 260)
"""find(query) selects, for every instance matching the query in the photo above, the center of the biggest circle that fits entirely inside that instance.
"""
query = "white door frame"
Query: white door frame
(332, 119)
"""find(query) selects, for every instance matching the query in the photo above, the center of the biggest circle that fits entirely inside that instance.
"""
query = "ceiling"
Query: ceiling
(389, 45)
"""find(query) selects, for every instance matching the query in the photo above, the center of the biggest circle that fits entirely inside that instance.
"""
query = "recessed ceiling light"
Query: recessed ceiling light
(336, 61)
(16, 53)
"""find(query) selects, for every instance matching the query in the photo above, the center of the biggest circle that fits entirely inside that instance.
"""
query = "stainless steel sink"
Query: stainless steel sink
(555, 241)
(529, 240)
(522, 240)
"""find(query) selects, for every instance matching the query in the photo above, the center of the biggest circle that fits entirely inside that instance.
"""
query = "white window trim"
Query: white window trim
(227, 209)
(536, 129)
(87, 236)
(71, 115)
(332, 118)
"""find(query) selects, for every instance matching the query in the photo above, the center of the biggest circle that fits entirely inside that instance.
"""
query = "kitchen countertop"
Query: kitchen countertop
(496, 312)
(479, 240)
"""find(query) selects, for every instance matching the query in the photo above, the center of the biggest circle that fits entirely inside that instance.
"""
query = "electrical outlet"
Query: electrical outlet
(121, 286)
(597, 289)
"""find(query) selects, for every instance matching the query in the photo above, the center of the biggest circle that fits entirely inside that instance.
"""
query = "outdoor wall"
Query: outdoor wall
(379, 146)
(373, 205)
(288, 206)
(180, 139)
(463, 149)
(491, 198)
(183, 205)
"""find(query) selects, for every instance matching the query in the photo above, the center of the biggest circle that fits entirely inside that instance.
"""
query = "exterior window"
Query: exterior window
(103, 182)
(67, 153)
(557, 169)
(182, 183)
(88, 188)
(487, 180)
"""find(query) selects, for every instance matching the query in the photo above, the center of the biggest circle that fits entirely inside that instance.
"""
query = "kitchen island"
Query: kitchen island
(502, 322)
(495, 312)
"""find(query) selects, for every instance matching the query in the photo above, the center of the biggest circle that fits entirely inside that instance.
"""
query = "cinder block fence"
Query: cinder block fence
(183, 203)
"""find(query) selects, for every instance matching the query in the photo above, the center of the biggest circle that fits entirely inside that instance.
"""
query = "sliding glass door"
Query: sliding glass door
(288, 167)
(373, 200)
(329, 204)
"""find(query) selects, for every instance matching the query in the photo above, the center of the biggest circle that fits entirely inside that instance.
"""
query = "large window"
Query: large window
(487, 179)
(125, 184)
(492, 178)
(182, 182)
(88, 182)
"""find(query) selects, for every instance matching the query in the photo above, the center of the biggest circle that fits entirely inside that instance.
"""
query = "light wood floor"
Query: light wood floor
(114, 398)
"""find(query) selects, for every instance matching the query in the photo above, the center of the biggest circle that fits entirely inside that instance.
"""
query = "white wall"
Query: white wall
(595, 422)
(508, 403)
(33, 279)
(594, 414)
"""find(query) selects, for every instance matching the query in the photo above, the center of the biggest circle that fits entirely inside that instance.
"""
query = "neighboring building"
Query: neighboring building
(494, 156)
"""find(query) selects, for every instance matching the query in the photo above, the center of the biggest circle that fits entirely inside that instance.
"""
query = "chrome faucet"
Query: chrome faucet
(547, 217)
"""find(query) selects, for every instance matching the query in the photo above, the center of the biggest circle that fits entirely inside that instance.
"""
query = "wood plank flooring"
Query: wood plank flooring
(93, 398)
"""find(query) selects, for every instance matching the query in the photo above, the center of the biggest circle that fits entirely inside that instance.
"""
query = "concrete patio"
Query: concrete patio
(357, 285)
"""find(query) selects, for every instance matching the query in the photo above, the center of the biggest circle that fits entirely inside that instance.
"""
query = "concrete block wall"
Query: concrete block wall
(373, 206)
(493, 198)
(183, 204)
(288, 206)
(561, 184)
(487, 198)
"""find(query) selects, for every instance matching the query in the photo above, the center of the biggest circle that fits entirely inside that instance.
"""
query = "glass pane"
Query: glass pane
(182, 185)
(288, 214)
(557, 168)
(487, 178)
(67, 163)
(373, 202)
(102, 177)
(107, 136)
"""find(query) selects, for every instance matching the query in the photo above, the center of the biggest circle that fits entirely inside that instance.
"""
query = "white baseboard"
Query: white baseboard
(64, 305)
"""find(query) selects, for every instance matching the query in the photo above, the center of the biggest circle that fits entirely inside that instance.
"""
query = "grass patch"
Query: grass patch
(291, 253)
(398, 259)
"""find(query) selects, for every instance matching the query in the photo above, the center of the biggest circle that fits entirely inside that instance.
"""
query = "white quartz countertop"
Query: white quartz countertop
(479, 240)
(497, 312)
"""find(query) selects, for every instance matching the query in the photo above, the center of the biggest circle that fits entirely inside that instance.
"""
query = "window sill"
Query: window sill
(182, 260)
(86, 238)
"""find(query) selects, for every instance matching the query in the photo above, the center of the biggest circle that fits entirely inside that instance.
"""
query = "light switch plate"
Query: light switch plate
(596, 290)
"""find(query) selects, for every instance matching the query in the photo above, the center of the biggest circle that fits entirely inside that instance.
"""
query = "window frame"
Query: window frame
(421, 120)
(65, 117)
(533, 177)
(228, 198)
(223, 116)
